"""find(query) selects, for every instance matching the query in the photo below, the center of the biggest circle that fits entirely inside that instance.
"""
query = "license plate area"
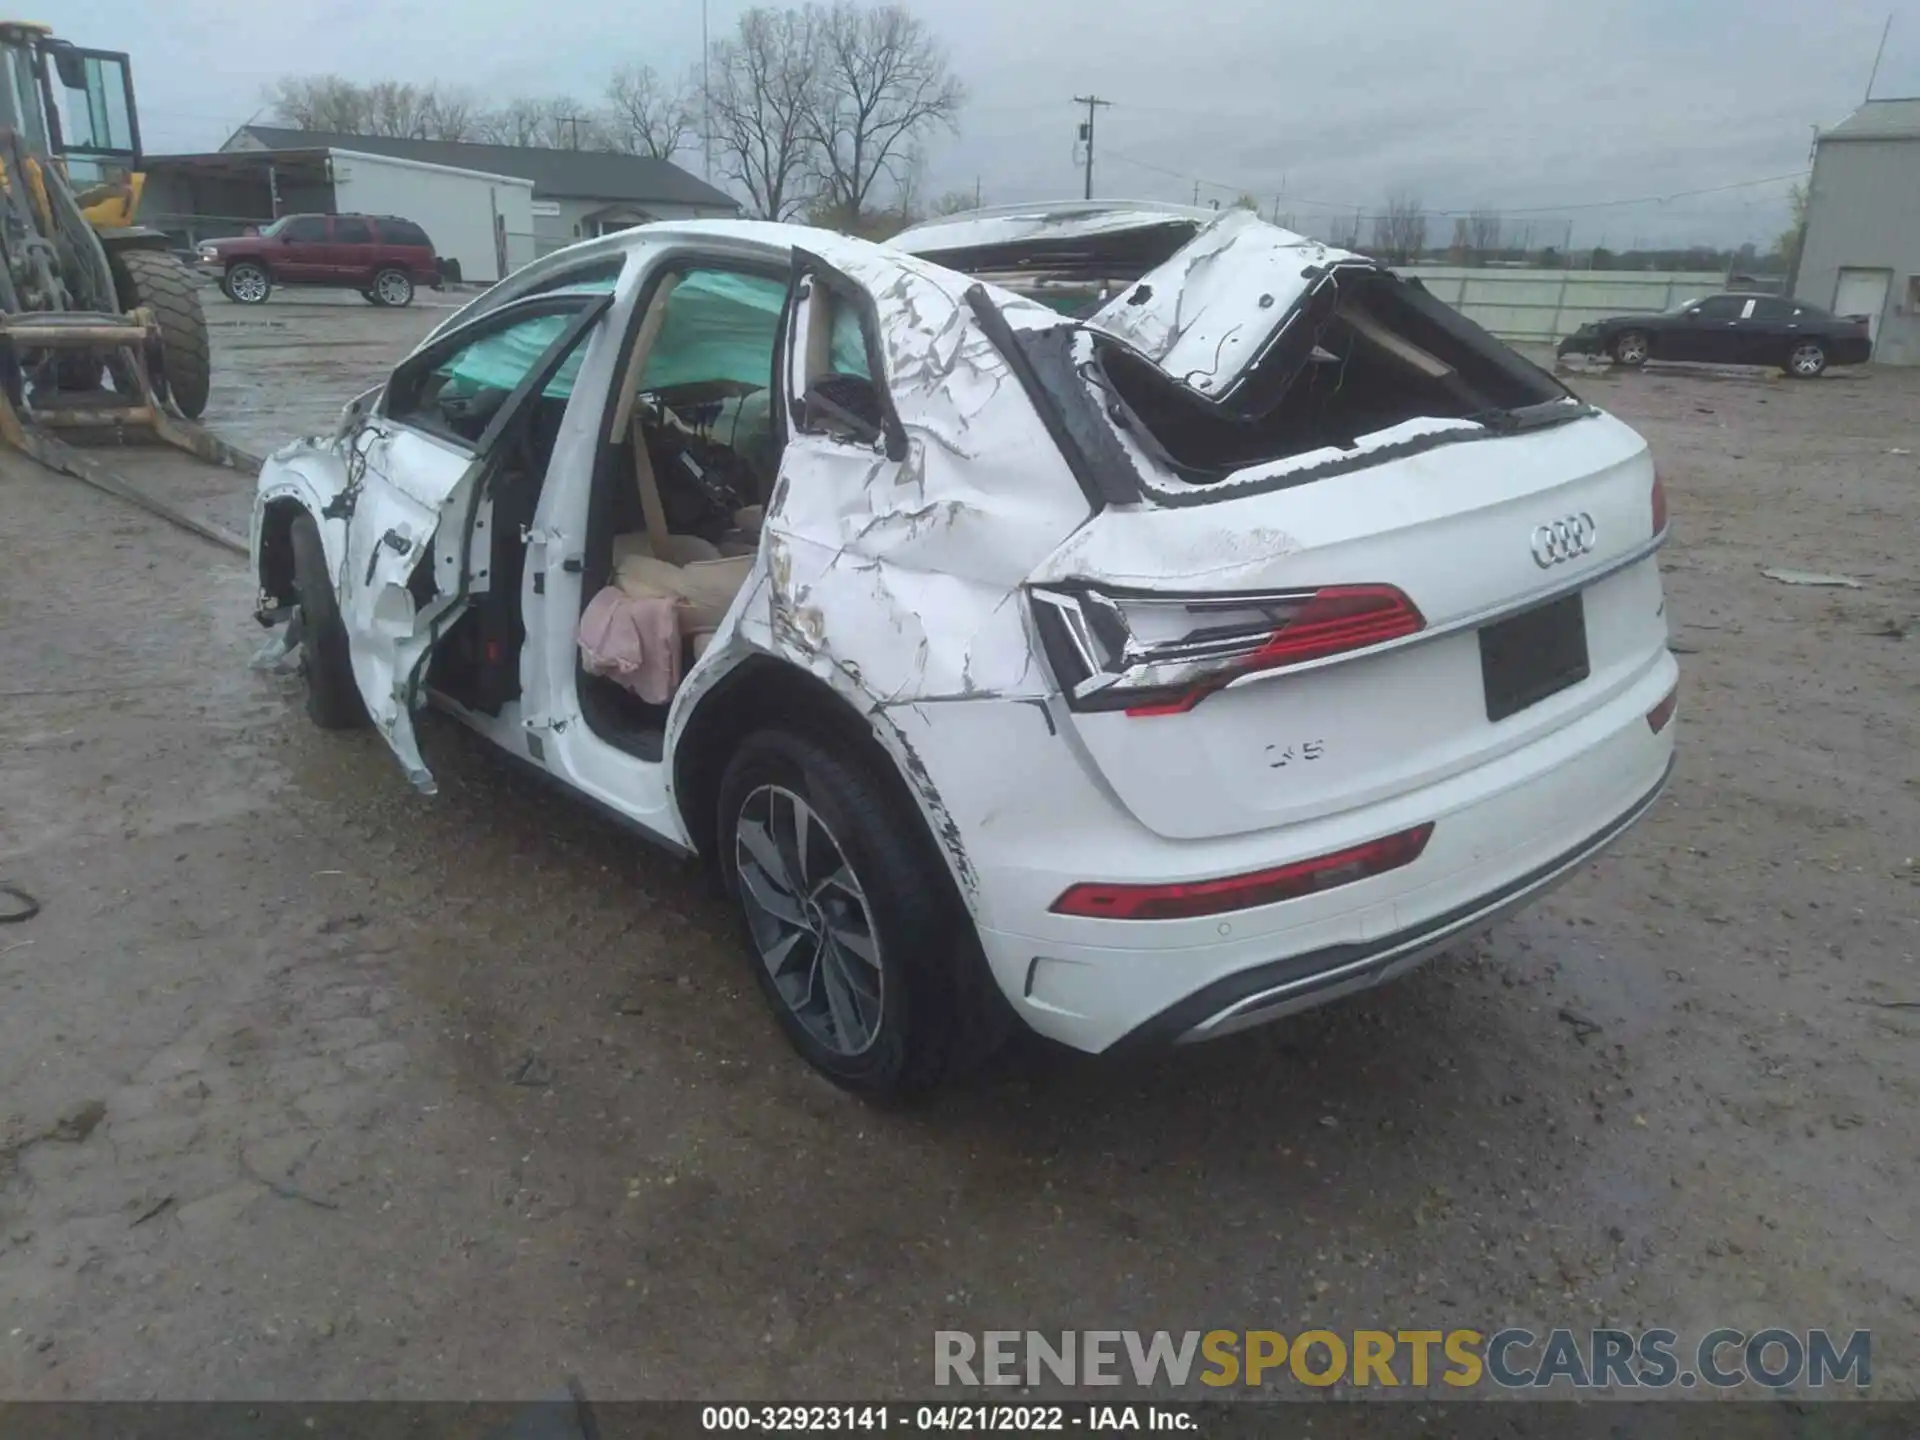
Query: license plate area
(1530, 656)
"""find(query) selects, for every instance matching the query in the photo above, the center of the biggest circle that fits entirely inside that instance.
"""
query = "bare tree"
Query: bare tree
(1400, 234)
(1787, 246)
(1483, 235)
(318, 102)
(517, 122)
(566, 124)
(449, 115)
(395, 108)
(646, 115)
(385, 107)
(884, 85)
(763, 83)
(954, 202)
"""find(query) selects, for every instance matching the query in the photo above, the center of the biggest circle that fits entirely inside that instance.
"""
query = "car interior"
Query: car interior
(686, 468)
(689, 459)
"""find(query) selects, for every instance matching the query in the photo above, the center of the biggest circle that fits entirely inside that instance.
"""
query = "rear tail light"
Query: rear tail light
(1162, 654)
(1661, 714)
(1659, 504)
(1188, 899)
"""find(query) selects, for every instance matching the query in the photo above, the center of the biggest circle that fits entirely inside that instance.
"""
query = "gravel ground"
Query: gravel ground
(311, 1087)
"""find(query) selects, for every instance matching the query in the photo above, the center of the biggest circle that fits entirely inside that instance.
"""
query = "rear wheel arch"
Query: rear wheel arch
(962, 1017)
(762, 693)
(767, 693)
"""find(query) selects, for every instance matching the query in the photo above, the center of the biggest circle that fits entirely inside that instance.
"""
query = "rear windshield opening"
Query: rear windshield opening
(1366, 353)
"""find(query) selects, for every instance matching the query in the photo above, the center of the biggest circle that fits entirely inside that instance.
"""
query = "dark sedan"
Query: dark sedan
(1800, 339)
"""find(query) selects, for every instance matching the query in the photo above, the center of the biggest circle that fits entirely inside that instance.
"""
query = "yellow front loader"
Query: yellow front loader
(101, 329)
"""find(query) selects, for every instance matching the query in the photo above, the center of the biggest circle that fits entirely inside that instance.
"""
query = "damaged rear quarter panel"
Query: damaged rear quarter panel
(898, 583)
(907, 574)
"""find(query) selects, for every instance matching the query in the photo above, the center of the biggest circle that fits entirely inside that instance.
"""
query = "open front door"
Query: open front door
(419, 541)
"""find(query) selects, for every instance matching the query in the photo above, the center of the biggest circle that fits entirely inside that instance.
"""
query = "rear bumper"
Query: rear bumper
(1268, 992)
(1504, 833)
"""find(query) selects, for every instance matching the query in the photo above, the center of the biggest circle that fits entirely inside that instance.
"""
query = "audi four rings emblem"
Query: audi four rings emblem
(1562, 540)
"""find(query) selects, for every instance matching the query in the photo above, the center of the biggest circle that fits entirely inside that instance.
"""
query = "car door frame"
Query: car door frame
(1702, 337)
(1770, 340)
(343, 268)
(557, 737)
(291, 268)
(391, 529)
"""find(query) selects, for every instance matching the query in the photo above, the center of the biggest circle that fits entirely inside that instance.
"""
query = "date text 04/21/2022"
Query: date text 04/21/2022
(945, 1419)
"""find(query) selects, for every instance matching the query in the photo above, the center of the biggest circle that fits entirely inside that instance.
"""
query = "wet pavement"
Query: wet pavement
(315, 1087)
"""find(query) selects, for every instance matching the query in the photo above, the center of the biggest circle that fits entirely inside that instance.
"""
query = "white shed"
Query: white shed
(478, 219)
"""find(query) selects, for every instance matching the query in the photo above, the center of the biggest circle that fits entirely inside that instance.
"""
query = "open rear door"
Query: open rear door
(418, 546)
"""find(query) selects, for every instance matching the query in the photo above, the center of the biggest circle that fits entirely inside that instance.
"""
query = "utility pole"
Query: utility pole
(1196, 192)
(976, 192)
(706, 95)
(572, 122)
(1092, 102)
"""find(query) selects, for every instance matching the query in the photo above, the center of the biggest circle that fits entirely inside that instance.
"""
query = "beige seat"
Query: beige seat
(654, 562)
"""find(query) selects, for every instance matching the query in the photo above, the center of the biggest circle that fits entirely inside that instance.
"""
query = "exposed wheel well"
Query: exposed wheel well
(276, 550)
(764, 692)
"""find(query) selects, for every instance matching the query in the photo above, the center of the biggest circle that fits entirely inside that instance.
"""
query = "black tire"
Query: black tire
(159, 281)
(246, 283)
(938, 1010)
(1806, 361)
(1631, 348)
(333, 700)
(392, 288)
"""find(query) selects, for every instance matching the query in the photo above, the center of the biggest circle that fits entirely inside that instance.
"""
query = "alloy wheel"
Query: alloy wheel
(247, 285)
(1807, 360)
(1632, 351)
(809, 919)
(394, 289)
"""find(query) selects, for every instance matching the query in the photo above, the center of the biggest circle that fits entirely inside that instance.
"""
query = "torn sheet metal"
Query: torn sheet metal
(1042, 224)
(1206, 315)
(906, 573)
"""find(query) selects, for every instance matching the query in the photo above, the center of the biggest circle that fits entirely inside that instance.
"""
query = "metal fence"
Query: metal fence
(1545, 306)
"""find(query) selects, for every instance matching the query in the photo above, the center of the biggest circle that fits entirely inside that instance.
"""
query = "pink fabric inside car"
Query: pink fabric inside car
(634, 642)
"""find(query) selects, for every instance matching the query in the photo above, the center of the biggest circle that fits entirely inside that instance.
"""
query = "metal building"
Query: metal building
(576, 193)
(1861, 252)
(478, 219)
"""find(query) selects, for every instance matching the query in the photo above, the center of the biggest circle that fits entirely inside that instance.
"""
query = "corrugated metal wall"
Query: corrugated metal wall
(1547, 305)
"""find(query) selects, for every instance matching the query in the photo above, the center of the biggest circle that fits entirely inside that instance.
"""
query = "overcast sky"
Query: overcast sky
(1538, 105)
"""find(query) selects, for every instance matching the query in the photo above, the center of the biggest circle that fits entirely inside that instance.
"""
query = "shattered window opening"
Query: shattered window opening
(1361, 360)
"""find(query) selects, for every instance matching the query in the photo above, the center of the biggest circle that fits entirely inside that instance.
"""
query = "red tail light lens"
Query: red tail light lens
(1187, 899)
(1162, 654)
(1659, 716)
(1659, 504)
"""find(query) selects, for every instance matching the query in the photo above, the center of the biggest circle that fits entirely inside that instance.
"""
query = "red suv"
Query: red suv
(379, 255)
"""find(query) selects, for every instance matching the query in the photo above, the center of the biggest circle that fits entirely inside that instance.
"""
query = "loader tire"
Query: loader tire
(160, 282)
